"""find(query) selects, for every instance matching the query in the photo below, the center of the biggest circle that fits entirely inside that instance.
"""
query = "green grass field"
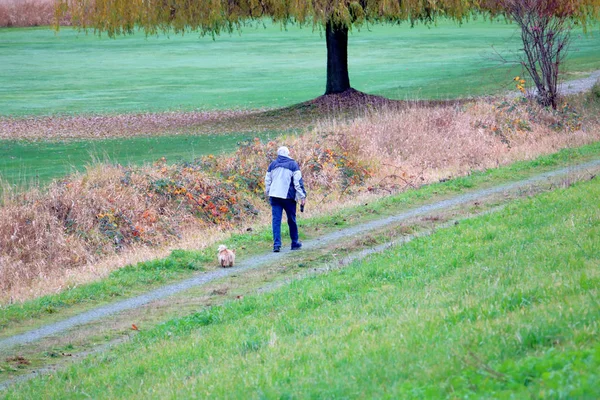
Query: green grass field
(500, 306)
(44, 73)
(32, 163)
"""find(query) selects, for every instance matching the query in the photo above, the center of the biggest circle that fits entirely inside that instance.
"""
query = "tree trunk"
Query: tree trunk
(338, 80)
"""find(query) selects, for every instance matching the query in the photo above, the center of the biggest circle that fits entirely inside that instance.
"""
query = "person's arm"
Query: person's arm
(299, 185)
(268, 181)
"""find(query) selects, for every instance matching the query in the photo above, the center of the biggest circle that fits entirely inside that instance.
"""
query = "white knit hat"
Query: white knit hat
(283, 151)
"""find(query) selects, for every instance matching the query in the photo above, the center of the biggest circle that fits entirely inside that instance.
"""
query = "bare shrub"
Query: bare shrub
(545, 32)
(545, 27)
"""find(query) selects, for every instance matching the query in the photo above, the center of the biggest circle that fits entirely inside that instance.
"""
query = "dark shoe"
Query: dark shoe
(297, 246)
(276, 249)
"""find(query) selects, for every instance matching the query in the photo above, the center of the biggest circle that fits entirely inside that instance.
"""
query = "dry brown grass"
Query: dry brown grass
(61, 127)
(82, 228)
(125, 125)
(428, 144)
(21, 13)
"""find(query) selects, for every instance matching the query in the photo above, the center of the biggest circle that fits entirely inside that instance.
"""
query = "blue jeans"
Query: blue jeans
(277, 207)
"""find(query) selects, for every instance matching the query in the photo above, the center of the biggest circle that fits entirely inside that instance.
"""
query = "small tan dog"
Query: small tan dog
(226, 256)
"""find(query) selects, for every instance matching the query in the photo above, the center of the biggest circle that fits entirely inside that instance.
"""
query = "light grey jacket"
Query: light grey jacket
(284, 179)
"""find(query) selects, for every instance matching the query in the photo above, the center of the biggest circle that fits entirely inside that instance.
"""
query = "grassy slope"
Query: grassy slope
(499, 305)
(135, 279)
(72, 73)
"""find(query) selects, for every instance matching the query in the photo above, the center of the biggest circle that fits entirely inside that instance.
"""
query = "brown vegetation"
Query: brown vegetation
(342, 105)
(111, 210)
(429, 144)
(124, 125)
(21, 13)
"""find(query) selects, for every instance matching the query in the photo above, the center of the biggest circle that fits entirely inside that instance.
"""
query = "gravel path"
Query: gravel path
(570, 87)
(257, 261)
(579, 85)
(269, 287)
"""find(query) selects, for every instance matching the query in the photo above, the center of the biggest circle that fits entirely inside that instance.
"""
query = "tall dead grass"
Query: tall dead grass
(89, 224)
(418, 144)
(22, 13)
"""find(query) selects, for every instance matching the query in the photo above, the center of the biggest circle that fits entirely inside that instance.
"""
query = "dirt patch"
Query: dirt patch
(343, 105)
(124, 125)
(18, 360)
(353, 99)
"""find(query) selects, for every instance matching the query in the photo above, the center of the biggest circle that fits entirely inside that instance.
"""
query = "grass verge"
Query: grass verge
(127, 281)
(132, 280)
(502, 305)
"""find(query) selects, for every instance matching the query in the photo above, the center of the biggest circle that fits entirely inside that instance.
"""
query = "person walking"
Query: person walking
(284, 187)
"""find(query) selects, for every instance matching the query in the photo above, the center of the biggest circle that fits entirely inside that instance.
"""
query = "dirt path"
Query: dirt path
(269, 287)
(258, 261)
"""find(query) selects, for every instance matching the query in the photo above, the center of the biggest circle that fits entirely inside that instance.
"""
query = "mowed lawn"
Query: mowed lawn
(24, 164)
(69, 72)
(501, 306)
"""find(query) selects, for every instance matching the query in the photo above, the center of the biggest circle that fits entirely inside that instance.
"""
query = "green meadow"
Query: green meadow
(74, 73)
(31, 163)
(70, 72)
(500, 306)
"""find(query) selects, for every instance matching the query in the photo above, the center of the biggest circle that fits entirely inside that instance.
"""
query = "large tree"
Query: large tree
(213, 17)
